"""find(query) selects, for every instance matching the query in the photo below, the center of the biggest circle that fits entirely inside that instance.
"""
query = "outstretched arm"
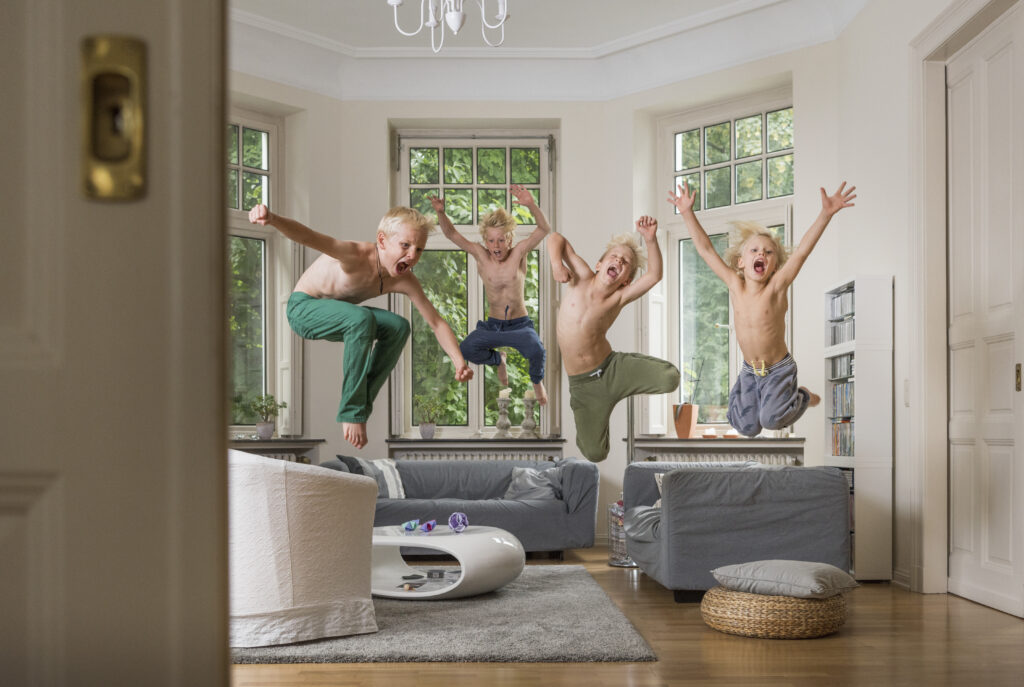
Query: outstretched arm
(566, 266)
(525, 198)
(444, 334)
(830, 205)
(683, 201)
(648, 228)
(300, 233)
(449, 230)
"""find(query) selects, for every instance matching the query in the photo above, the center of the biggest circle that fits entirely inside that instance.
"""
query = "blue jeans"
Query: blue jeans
(519, 333)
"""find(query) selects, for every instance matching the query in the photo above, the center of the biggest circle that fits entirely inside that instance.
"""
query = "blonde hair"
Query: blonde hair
(742, 232)
(499, 219)
(399, 215)
(631, 242)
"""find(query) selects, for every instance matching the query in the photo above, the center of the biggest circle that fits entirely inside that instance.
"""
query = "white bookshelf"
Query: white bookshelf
(858, 413)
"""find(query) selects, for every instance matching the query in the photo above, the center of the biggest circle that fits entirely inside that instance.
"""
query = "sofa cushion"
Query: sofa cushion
(531, 483)
(802, 579)
(389, 481)
(459, 479)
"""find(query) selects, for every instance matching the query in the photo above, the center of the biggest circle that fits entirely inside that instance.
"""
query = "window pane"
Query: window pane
(718, 187)
(232, 142)
(443, 275)
(748, 181)
(254, 148)
(717, 143)
(693, 179)
(255, 190)
(423, 166)
(748, 136)
(488, 199)
(246, 325)
(779, 233)
(704, 348)
(780, 129)
(780, 176)
(419, 199)
(458, 165)
(518, 367)
(233, 189)
(525, 165)
(490, 165)
(522, 215)
(458, 205)
(688, 149)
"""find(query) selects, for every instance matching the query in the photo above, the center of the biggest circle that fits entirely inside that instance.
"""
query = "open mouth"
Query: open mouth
(759, 266)
(613, 271)
(401, 267)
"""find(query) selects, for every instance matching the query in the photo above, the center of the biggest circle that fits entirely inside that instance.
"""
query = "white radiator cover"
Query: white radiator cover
(459, 454)
(720, 457)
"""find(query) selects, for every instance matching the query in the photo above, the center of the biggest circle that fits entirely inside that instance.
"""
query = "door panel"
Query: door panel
(985, 98)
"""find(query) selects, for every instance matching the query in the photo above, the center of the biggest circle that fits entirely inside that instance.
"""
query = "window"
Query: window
(262, 268)
(473, 175)
(740, 157)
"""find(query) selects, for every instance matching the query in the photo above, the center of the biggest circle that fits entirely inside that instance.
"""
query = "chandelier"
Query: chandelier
(454, 17)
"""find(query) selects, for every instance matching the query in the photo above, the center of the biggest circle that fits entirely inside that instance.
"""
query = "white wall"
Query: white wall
(852, 122)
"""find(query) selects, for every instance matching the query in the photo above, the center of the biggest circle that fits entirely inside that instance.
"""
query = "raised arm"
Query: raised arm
(648, 228)
(566, 266)
(300, 233)
(684, 203)
(830, 205)
(449, 230)
(525, 198)
(442, 332)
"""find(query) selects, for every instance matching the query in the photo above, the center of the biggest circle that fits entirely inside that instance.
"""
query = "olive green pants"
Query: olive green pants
(593, 395)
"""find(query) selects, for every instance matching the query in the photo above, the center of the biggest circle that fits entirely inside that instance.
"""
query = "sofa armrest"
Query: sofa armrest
(580, 479)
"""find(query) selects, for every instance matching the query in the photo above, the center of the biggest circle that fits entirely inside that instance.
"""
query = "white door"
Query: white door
(112, 412)
(985, 102)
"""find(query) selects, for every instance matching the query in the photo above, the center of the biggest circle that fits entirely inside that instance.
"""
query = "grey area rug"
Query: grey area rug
(550, 613)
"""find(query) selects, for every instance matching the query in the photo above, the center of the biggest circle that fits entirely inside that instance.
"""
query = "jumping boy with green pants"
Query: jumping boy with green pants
(325, 304)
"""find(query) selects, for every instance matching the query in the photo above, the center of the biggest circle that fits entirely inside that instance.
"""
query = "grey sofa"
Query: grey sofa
(715, 515)
(434, 489)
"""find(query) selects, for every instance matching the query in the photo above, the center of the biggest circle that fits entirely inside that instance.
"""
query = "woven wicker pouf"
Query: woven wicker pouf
(771, 617)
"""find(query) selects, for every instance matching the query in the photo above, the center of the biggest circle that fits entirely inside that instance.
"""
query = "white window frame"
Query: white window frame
(401, 381)
(652, 420)
(283, 261)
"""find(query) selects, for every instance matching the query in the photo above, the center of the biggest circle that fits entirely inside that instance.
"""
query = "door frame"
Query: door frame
(925, 443)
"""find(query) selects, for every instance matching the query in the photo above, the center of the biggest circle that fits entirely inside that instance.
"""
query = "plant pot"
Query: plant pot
(427, 430)
(686, 420)
(265, 430)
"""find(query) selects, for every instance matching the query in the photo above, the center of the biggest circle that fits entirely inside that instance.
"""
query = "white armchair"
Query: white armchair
(300, 542)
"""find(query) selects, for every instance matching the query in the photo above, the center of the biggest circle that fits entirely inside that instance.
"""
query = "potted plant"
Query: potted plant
(266, 407)
(428, 410)
(685, 414)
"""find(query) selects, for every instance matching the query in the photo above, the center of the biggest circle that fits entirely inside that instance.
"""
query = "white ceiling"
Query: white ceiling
(579, 49)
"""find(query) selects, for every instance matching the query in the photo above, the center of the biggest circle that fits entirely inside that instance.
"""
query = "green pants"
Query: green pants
(373, 338)
(593, 395)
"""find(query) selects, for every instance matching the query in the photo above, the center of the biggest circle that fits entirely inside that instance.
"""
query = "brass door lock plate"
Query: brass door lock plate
(113, 81)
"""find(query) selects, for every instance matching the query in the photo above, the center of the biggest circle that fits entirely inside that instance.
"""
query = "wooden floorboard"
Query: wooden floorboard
(891, 637)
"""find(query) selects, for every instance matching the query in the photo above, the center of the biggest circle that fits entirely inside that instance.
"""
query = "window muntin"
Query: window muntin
(741, 160)
(473, 176)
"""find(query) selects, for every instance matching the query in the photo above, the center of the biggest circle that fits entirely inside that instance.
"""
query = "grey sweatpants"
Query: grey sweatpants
(771, 401)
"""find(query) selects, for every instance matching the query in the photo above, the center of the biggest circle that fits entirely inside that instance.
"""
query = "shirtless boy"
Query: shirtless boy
(324, 304)
(598, 376)
(758, 273)
(502, 267)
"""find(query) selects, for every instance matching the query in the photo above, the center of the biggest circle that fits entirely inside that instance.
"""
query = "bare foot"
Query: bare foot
(813, 398)
(355, 433)
(503, 370)
(542, 396)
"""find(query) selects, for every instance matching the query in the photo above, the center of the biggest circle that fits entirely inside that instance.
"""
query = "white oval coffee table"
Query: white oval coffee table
(487, 558)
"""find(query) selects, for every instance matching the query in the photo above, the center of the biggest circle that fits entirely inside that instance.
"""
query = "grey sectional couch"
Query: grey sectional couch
(715, 515)
(434, 489)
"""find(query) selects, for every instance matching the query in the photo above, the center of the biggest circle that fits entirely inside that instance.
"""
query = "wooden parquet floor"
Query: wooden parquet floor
(891, 637)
